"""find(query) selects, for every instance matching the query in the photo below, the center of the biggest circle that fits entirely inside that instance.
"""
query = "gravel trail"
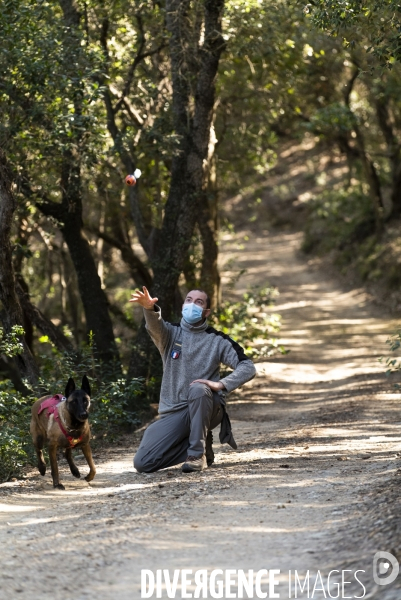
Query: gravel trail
(313, 484)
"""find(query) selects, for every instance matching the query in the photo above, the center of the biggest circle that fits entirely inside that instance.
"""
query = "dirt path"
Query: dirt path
(318, 436)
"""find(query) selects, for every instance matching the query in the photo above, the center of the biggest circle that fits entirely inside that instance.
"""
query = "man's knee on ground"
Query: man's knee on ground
(197, 390)
(141, 464)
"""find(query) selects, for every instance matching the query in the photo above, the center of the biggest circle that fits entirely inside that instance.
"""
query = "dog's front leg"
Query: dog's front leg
(38, 443)
(87, 452)
(73, 467)
(54, 467)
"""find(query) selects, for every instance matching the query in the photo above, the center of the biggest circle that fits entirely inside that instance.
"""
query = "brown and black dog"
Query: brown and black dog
(63, 423)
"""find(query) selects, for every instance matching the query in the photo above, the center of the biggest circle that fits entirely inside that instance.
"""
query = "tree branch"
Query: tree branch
(350, 85)
(137, 60)
(118, 313)
(140, 56)
(38, 318)
(138, 271)
(42, 201)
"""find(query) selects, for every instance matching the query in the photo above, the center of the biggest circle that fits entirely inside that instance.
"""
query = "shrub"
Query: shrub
(337, 219)
(393, 363)
(251, 323)
(10, 344)
(16, 448)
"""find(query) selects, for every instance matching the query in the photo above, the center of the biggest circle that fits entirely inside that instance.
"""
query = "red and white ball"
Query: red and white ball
(132, 179)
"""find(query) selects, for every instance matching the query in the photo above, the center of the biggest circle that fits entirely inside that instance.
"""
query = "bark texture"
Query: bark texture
(12, 312)
(381, 102)
(371, 176)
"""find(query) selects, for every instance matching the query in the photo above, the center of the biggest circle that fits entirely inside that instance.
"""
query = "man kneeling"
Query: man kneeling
(192, 393)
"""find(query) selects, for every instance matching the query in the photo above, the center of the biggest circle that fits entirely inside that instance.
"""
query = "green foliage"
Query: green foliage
(10, 343)
(257, 85)
(373, 25)
(14, 414)
(16, 448)
(334, 118)
(251, 323)
(393, 363)
(337, 218)
(110, 413)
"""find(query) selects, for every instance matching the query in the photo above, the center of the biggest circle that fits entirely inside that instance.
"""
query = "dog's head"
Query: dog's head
(78, 401)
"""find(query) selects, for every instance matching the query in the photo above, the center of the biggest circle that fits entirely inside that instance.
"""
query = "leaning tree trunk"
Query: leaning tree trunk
(373, 181)
(394, 150)
(396, 187)
(208, 223)
(210, 276)
(186, 192)
(368, 167)
(69, 214)
(12, 312)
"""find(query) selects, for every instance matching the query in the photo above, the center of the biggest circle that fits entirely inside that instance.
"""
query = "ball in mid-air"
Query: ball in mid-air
(132, 179)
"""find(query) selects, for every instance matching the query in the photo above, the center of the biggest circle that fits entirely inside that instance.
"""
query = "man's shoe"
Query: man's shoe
(209, 449)
(194, 463)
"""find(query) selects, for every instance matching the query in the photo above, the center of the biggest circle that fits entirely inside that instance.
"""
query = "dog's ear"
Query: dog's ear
(85, 385)
(70, 387)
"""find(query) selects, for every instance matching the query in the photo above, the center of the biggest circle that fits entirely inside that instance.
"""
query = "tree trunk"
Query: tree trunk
(69, 215)
(396, 188)
(9, 370)
(372, 180)
(394, 150)
(71, 297)
(208, 223)
(187, 193)
(92, 295)
(369, 169)
(210, 276)
(187, 187)
(12, 312)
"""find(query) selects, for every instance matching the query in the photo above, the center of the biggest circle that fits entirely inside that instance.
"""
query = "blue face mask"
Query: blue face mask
(192, 313)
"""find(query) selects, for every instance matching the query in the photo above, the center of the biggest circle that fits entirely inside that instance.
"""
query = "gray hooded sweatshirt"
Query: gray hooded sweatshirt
(190, 353)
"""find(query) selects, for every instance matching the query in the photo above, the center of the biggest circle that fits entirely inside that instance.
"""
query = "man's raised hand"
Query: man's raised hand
(143, 298)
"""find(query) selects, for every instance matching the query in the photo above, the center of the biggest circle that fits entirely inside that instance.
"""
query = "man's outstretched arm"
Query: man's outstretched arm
(144, 298)
(156, 326)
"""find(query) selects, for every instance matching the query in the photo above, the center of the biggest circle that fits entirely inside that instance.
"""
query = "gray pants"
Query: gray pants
(176, 435)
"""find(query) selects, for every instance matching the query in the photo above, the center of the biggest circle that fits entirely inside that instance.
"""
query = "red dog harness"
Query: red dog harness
(51, 405)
